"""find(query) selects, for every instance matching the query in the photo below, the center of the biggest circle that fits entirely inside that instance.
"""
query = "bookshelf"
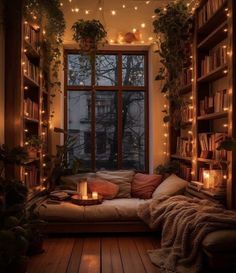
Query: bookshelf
(214, 101)
(27, 96)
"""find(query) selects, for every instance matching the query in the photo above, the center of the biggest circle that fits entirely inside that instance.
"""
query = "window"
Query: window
(107, 109)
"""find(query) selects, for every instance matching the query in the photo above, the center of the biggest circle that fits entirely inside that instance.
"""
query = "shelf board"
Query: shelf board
(186, 89)
(30, 82)
(182, 157)
(214, 75)
(214, 37)
(31, 160)
(31, 119)
(217, 18)
(210, 161)
(31, 52)
(213, 116)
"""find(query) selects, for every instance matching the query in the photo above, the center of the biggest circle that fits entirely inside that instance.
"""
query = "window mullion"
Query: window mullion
(93, 118)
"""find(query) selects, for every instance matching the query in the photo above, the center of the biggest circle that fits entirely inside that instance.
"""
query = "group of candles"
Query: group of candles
(82, 188)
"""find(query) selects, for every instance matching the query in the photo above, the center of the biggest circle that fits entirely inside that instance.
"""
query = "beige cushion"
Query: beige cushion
(220, 241)
(122, 178)
(110, 210)
(172, 185)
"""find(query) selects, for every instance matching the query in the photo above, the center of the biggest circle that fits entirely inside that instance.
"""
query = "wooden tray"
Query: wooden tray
(77, 199)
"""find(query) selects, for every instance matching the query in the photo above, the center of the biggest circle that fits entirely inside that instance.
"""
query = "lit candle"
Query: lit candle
(94, 195)
(84, 197)
(206, 179)
(83, 187)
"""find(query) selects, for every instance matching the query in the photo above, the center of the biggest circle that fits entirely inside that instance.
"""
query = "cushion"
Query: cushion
(122, 178)
(220, 241)
(103, 187)
(144, 185)
(172, 185)
(110, 210)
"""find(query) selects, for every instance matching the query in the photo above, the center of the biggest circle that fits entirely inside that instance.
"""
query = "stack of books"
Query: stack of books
(31, 109)
(209, 143)
(185, 171)
(217, 57)
(214, 104)
(31, 176)
(208, 10)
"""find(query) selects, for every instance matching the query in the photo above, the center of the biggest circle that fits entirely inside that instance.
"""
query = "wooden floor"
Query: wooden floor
(95, 254)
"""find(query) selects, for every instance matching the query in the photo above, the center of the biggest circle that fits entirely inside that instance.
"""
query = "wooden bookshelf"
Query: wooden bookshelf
(27, 94)
(213, 95)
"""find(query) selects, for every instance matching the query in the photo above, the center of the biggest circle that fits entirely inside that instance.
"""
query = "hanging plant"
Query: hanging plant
(174, 28)
(48, 15)
(89, 34)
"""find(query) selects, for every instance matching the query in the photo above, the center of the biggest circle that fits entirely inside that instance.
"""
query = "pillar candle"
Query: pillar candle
(83, 187)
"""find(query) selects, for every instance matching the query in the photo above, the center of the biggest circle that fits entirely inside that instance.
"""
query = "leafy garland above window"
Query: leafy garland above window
(174, 27)
(48, 15)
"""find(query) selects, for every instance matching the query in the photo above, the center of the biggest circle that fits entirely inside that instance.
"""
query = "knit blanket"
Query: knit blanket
(185, 222)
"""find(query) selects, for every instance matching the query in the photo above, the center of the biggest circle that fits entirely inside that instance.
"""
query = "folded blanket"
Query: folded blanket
(185, 222)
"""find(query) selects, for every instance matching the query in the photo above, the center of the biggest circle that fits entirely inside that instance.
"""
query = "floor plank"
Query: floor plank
(130, 256)
(75, 259)
(143, 245)
(90, 259)
(111, 259)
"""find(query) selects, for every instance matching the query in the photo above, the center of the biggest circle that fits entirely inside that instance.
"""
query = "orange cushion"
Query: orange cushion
(103, 187)
(144, 185)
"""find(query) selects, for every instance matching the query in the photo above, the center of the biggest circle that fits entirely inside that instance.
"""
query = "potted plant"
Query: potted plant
(89, 34)
(33, 144)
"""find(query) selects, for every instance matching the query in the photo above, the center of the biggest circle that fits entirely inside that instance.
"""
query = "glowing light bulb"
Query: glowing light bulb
(143, 25)
(135, 8)
(134, 30)
(100, 8)
(123, 6)
(147, 2)
(86, 12)
(113, 12)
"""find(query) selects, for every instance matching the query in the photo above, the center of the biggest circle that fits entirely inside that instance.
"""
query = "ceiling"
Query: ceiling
(127, 16)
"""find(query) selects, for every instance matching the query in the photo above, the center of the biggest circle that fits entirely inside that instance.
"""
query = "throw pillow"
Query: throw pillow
(173, 185)
(103, 187)
(122, 178)
(144, 185)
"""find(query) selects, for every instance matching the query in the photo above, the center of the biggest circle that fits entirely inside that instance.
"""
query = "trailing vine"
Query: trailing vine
(48, 15)
(174, 27)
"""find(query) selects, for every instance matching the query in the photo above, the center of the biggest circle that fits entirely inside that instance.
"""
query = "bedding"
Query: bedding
(185, 222)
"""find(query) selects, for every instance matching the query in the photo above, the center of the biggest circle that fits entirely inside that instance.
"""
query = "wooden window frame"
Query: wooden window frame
(119, 89)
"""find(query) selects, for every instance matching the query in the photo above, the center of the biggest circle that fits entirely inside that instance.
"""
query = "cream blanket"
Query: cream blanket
(184, 222)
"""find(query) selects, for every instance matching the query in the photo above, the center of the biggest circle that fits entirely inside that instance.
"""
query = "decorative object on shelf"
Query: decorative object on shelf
(33, 145)
(89, 34)
(174, 26)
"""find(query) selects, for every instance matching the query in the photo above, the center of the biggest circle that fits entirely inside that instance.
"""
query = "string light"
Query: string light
(143, 25)
(123, 6)
(86, 12)
(100, 8)
(113, 12)
(135, 8)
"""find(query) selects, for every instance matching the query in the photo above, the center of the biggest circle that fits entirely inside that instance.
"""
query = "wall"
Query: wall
(1, 74)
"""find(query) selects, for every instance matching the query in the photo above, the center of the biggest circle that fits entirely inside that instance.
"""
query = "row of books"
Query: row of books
(209, 142)
(212, 179)
(31, 109)
(187, 113)
(184, 147)
(31, 70)
(216, 58)
(208, 10)
(214, 104)
(187, 76)
(31, 178)
(31, 35)
(185, 171)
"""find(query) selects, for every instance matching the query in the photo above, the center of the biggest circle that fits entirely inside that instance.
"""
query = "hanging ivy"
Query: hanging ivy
(174, 29)
(48, 15)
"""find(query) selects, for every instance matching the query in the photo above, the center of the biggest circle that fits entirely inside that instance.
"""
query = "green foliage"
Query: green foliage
(174, 27)
(35, 142)
(169, 168)
(88, 31)
(228, 144)
(47, 13)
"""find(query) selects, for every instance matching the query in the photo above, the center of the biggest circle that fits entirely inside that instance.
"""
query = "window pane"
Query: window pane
(79, 125)
(79, 70)
(133, 70)
(106, 70)
(106, 129)
(134, 130)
